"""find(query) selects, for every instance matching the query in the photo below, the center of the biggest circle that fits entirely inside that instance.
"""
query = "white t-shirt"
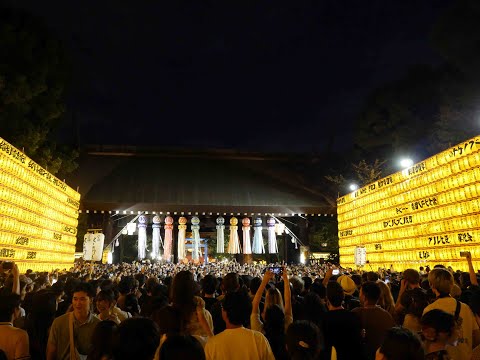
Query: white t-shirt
(463, 350)
(238, 344)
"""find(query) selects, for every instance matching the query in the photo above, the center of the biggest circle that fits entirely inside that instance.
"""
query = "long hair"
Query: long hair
(274, 327)
(182, 294)
(386, 298)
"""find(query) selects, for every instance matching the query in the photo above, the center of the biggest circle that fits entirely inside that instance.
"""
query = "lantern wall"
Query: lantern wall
(424, 215)
(38, 214)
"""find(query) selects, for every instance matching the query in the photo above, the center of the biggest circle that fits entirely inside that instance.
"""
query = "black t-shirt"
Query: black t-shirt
(342, 330)
(414, 301)
(209, 302)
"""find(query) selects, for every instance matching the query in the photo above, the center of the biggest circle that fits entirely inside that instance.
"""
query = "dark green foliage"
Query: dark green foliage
(33, 75)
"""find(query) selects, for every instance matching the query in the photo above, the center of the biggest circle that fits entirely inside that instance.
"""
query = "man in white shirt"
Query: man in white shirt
(237, 342)
(441, 283)
(13, 341)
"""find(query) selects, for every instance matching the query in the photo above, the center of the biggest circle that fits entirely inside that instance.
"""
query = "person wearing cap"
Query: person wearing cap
(349, 287)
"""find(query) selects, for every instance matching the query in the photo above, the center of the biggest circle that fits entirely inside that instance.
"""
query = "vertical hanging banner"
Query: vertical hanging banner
(258, 246)
(182, 229)
(272, 236)
(167, 250)
(38, 214)
(220, 235)
(247, 248)
(142, 237)
(156, 237)
(234, 242)
(196, 238)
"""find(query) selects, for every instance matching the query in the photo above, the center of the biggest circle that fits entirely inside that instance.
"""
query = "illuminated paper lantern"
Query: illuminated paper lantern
(423, 215)
(131, 227)
(360, 256)
(38, 214)
(97, 246)
(88, 246)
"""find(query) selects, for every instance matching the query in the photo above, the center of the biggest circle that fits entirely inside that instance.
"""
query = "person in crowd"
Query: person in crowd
(126, 286)
(304, 341)
(105, 303)
(131, 305)
(182, 347)
(209, 286)
(411, 301)
(349, 287)
(197, 320)
(438, 331)
(272, 298)
(386, 299)
(375, 321)
(71, 334)
(136, 338)
(400, 344)
(39, 321)
(340, 324)
(229, 283)
(14, 342)
(236, 341)
(102, 340)
(441, 282)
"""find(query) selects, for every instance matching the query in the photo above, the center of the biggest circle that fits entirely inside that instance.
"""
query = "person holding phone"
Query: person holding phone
(276, 317)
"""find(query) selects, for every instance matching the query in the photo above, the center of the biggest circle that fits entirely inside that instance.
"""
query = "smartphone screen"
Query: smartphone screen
(335, 272)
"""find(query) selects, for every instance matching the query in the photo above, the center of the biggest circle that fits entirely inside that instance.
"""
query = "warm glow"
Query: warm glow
(38, 214)
(423, 215)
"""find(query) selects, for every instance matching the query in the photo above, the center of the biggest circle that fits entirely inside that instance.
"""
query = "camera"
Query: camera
(335, 272)
(277, 270)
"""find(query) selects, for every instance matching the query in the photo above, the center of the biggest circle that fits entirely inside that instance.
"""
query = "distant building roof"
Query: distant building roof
(133, 179)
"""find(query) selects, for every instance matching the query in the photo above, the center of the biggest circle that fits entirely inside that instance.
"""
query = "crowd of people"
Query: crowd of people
(228, 310)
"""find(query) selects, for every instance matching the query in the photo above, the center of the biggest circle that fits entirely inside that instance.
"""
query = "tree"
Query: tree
(364, 173)
(33, 75)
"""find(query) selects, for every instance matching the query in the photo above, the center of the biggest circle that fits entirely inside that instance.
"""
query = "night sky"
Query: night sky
(260, 75)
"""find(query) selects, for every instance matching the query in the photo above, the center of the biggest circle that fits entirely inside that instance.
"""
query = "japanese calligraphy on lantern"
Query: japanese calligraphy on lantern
(426, 214)
(38, 214)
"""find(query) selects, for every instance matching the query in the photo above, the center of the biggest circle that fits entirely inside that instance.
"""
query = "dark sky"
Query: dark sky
(259, 75)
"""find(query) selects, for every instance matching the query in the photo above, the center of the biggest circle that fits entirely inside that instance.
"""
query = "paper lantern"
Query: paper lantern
(88, 246)
(424, 215)
(97, 246)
